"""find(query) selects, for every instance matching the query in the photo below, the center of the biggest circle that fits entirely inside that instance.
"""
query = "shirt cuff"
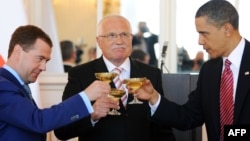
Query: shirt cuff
(155, 106)
(93, 122)
(86, 101)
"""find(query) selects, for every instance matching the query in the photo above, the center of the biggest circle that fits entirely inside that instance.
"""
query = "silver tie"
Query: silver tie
(27, 89)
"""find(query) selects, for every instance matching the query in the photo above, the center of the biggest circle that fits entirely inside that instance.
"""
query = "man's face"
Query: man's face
(32, 62)
(212, 38)
(115, 40)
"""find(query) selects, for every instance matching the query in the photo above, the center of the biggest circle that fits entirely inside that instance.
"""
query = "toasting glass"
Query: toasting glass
(135, 83)
(114, 93)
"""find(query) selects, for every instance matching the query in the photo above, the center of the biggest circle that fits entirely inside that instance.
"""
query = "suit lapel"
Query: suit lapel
(12, 79)
(213, 84)
(100, 66)
(134, 72)
(243, 82)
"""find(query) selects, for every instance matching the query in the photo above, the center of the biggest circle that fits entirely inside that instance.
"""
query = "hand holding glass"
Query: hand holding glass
(135, 83)
(114, 93)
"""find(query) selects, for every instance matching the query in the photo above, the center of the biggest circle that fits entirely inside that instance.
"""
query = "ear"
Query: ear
(228, 29)
(17, 49)
(98, 40)
(74, 54)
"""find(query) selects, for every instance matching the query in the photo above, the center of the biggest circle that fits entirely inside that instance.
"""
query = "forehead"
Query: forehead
(41, 48)
(115, 25)
(202, 23)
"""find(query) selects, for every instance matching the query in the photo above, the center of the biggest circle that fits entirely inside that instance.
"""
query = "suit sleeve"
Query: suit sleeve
(160, 132)
(73, 86)
(27, 116)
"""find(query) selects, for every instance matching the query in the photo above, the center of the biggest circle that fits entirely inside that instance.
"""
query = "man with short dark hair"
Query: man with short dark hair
(20, 118)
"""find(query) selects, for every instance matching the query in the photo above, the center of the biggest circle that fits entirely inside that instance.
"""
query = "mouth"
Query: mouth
(206, 49)
(119, 47)
(36, 74)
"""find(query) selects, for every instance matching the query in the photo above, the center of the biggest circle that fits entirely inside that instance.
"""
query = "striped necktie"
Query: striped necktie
(226, 98)
(117, 80)
(118, 83)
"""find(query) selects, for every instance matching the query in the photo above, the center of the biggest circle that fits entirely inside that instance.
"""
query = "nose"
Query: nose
(43, 65)
(200, 40)
(119, 38)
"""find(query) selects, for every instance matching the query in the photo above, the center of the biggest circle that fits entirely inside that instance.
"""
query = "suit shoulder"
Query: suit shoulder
(84, 67)
(144, 66)
(213, 61)
(6, 84)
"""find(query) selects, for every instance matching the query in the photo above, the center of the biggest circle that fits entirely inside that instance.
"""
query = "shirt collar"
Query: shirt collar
(13, 72)
(236, 55)
(125, 65)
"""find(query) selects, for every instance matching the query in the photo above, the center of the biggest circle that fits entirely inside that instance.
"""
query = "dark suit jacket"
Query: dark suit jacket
(20, 118)
(66, 68)
(203, 104)
(134, 124)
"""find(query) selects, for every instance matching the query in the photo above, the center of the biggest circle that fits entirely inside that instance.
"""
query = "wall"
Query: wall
(76, 21)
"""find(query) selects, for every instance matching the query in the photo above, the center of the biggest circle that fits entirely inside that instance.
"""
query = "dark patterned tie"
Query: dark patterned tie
(226, 98)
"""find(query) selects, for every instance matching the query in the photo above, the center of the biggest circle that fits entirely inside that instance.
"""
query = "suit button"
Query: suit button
(75, 117)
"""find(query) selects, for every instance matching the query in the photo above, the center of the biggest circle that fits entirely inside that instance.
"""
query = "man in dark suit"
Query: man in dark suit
(20, 118)
(68, 51)
(217, 24)
(134, 124)
(146, 40)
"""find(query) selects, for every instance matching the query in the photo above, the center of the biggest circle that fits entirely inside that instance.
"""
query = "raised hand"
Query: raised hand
(102, 106)
(97, 89)
(146, 92)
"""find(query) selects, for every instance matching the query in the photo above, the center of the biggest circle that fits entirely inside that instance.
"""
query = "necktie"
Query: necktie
(226, 98)
(27, 89)
(117, 80)
(118, 84)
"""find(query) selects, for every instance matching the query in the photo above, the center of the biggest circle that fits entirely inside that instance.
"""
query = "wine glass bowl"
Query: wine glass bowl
(116, 94)
(105, 76)
(135, 83)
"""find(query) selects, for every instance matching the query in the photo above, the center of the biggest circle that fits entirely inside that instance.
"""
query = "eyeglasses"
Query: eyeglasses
(113, 36)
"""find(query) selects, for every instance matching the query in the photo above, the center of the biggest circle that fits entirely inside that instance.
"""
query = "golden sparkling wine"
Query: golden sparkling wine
(105, 76)
(135, 83)
(116, 93)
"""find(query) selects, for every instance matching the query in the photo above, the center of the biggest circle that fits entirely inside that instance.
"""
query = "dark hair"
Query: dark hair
(67, 48)
(138, 54)
(26, 36)
(219, 12)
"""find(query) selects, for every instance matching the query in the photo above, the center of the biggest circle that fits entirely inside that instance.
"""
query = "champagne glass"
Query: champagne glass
(116, 94)
(135, 83)
(105, 76)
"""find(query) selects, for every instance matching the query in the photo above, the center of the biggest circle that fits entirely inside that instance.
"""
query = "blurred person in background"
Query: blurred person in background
(145, 40)
(69, 55)
(140, 55)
